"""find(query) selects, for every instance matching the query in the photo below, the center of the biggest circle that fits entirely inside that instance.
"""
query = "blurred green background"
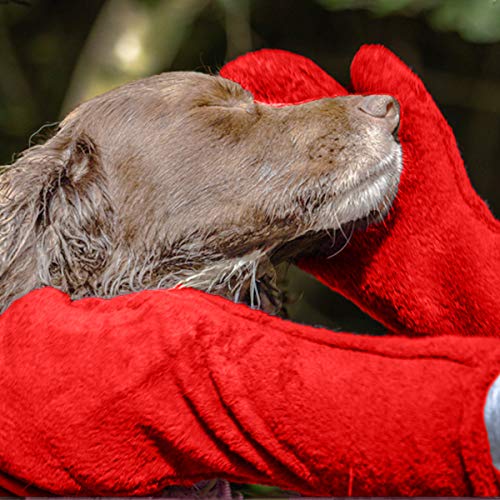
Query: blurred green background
(56, 53)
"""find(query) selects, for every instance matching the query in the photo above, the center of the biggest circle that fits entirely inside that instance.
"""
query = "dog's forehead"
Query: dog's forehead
(178, 81)
(176, 87)
(199, 87)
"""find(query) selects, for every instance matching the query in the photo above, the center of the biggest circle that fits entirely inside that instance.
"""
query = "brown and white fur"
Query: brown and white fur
(184, 178)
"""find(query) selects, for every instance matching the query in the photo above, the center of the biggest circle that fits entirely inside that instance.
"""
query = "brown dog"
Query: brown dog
(183, 178)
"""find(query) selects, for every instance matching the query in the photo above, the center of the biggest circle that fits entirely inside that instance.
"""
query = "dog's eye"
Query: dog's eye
(231, 104)
(238, 108)
(227, 97)
(227, 94)
(234, 91)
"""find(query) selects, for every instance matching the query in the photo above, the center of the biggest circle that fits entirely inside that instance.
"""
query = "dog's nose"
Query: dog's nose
(384, 108)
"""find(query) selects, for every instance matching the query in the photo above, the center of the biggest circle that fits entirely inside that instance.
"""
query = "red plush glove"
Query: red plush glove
(434, 266)
(129, 395)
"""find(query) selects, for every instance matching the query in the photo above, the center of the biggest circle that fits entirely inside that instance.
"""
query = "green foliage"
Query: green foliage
(261, 491)
(475, 20)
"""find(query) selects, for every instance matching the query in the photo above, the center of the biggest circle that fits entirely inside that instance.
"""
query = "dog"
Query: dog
(184, 179)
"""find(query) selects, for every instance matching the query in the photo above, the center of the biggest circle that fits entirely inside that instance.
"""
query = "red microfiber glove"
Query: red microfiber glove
(434, 266)
(129, 395)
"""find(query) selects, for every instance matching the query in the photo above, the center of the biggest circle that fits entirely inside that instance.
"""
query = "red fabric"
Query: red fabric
(129, 395)
(434, 266)
(126, 396)
(281, 77)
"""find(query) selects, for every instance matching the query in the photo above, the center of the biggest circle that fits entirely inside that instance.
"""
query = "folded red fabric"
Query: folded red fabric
(433, 267)
(129, 395)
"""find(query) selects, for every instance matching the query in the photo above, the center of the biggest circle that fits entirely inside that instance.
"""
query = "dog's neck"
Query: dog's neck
(248, 279)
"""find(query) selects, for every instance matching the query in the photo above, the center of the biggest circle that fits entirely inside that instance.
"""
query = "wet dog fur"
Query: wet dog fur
(182, 178)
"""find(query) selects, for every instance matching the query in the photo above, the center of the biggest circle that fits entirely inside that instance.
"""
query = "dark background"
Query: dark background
(56, 53)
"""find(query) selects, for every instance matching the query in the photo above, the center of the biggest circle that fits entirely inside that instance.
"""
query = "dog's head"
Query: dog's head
(184, 177)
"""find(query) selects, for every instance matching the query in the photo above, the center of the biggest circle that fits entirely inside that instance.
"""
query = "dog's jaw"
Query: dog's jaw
(362, 197)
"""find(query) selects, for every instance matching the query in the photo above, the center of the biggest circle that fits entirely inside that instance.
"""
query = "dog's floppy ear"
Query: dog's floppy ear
(56, 218)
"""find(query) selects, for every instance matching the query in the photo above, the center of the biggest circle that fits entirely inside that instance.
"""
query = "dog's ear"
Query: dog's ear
(56, 218)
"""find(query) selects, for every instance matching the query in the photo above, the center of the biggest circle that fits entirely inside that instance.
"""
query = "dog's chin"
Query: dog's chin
(366, 200)
(366, 203)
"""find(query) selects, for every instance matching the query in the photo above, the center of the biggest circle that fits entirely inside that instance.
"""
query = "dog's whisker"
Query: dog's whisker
(348, 239)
